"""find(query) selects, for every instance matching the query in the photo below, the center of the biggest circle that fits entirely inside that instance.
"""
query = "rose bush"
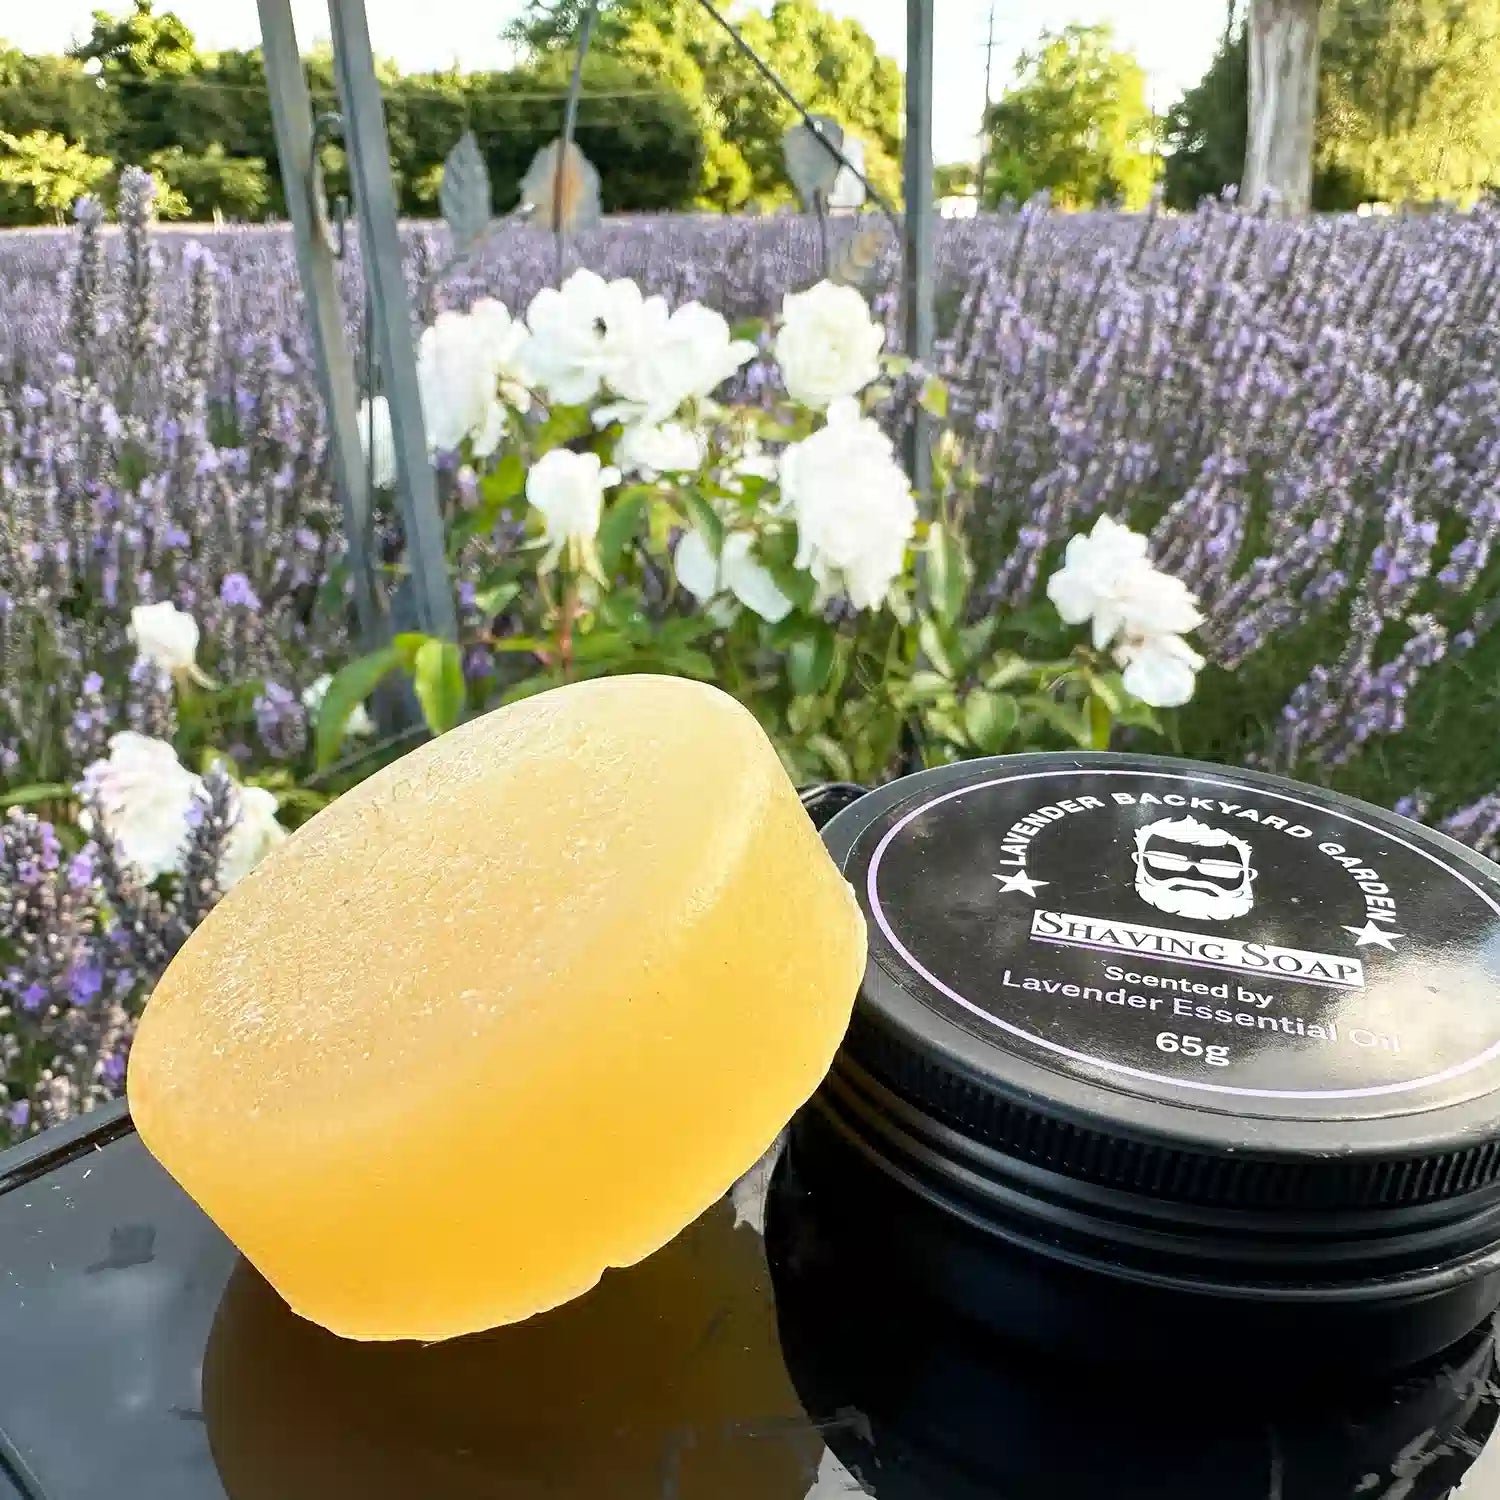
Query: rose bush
(614, 511)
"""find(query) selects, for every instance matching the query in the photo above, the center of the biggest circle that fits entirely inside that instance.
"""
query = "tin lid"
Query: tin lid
(1217, 984)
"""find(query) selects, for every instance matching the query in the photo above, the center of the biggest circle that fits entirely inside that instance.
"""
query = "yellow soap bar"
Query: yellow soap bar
(514, 1010)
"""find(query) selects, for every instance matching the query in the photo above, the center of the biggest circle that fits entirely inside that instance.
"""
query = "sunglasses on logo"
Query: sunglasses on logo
(1180, 864)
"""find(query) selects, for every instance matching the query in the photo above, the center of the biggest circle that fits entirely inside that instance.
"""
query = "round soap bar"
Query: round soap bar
(514, 1010)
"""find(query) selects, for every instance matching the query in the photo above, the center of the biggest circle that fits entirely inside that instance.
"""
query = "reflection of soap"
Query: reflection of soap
(666, 1379)
(514, 1010)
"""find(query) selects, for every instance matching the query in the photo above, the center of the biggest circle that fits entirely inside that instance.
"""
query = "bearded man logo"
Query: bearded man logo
(1191, 870)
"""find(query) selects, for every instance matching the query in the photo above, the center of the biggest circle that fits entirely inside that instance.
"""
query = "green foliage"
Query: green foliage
(1076, 124)
(952, 178)
(140, 44)
(828, 62)
(1204, 134)
(214, 182)
(1407, 110)
(201, 122)
(42, 175)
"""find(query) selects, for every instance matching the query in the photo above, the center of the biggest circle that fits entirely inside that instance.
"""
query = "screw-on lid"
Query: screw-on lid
(1201, 983)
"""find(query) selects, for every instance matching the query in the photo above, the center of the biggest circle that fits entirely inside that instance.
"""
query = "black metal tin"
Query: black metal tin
(1151, 1046)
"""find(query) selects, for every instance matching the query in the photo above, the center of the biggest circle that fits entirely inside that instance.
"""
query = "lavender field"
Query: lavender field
(1303, 415)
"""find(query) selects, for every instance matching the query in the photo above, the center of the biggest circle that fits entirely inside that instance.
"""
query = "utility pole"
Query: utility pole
(984, 119)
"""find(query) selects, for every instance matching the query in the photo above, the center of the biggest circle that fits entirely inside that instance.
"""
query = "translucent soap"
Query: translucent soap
(513, 1011)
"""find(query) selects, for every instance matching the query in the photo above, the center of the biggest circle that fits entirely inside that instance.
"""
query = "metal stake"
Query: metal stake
(292, 117)
(918, 230)
(570, 126)
(375, 203)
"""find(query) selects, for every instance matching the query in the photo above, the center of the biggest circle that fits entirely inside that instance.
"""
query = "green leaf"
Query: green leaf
(686, 662)
(439, 682)
(990, 719)
(1065, 717)
(934, 646)
(406, 646)
(974, 640)
(504, 482)
(947, 573)
(809, 660)
(620, 523)
(835, 757)
(748, 328)
(1109, 688)
(1039, 622)
(934, 398)
(349, 688)
(703, 516)
(1101, 722)
(800, 587)
(29, 796)
(926, 687)
(528, 687)
(563, 424)
(601, 645)
(490, 601)
(1133, 714)
(1008, 669)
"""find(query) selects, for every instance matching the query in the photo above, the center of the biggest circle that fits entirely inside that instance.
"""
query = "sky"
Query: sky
(1174, 39)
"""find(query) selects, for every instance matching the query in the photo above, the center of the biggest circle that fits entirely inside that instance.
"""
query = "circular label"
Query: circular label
(1187, 937)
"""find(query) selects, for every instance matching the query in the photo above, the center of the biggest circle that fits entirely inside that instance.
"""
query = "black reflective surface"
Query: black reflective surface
(140, 1358)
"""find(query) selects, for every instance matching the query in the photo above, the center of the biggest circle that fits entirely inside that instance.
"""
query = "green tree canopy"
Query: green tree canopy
(1408, 110)
(831, 64)
(42, 175)
(1203, 136)
(139, 91)
(1076, 123)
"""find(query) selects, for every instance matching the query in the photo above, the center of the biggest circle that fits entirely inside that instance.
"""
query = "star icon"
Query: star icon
(1371, 934)
(1020, 882)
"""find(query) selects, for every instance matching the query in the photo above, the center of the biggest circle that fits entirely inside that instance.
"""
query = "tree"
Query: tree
(1203, 137)
(211, 181)
(1076, 124)
(43, 175)
(141, 44)
(1406, 108)
(1284, 40)
(1409, 108)
(950, 179)
(830, 64)
(55, 95)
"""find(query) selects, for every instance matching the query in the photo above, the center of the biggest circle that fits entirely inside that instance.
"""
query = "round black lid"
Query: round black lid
(1208, 983)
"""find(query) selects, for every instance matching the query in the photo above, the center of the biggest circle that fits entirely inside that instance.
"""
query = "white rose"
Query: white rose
(584, 332)
(143, 795)
(650, 451)
(358, 723)
(683, 357)
(377, 437)
(504, 340)
(1159, 669)
(828, 345)
(734, 571)
(254, 834)
(568, 489)
(1106, 577)
(463, 362)
(852, 504)
(165, 636)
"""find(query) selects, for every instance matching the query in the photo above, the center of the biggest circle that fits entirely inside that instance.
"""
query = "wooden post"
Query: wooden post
(1284, 41)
